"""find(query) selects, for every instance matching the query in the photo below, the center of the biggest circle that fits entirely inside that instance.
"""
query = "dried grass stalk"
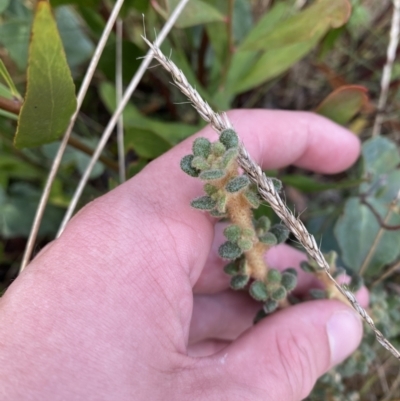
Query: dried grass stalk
(266, 188)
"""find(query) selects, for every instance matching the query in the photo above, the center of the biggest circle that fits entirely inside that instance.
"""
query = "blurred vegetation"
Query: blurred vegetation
(323, 56)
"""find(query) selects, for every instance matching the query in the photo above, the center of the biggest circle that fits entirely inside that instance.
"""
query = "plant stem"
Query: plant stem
(387, 70)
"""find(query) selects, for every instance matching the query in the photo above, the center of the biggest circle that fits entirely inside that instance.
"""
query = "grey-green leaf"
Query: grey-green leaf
(237, 184)
(239, 282)
(229, 250)
(210, 175)
(258, 291)
(364, 244)
(201, 147)
(204, 203)
(229, 138)
(281, 232)
(186, 166)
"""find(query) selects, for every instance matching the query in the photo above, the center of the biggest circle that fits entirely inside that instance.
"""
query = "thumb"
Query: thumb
(282, 356)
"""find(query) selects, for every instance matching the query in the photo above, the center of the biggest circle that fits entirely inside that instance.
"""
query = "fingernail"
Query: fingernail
(344, 330)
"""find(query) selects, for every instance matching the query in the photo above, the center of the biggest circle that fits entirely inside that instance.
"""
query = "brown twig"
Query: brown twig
(11, 105)
(378, 217)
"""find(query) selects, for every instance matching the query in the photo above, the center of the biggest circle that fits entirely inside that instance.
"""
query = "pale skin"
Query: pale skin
(131, 303)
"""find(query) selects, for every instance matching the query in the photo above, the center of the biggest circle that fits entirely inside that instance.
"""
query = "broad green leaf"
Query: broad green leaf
(5, 91)
(343, 103)
(304, 26)
(7, 78)
(3, 5)
(131, 55)
(270, 52)
(12, 167)
(14, 35)
(273, 63)
(50, 98)
(196, 12)
(380, 155)
(18, 210)
(145, 143)
(168, 132)
(309, 184)
(361, 240)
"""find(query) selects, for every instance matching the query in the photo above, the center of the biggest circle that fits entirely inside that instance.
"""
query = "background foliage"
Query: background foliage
(323, 56)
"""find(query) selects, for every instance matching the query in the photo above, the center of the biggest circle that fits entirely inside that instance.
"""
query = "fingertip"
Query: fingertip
(338, 148)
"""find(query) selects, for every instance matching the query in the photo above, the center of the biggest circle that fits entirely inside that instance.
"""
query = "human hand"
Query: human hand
(131, 302)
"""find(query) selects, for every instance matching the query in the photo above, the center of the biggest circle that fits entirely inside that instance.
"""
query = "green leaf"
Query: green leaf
(203, 203)
(201, 147)
(232, 268)
(343, 103)
(268, 239)
(289, 281)
(50, 98)
(239, 282)
(3, 5)
(270, 306)
(145, 143)
(265, 56)
(195, 13)
(229, 138)
(186, 166)
(229, 250)
(172, 133)
(279, 294)
(281, 232)
(361, 239)
(210, 175)
(232, 233)
(7, 78)
(258, 291)
(380, 155)
(237, 184)
(274, 276)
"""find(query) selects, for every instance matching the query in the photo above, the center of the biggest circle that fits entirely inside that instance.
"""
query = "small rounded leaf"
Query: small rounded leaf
(239, 282)
(217, 149)
(289, 281)
(200, 163)
(277, 184)
(281, 232)
(210, 175)
(186, 166)
(203, 203)
(229, 250)
(238, 183)
(279, 294)
(253, 199)
(263, 223)
(229, 138)
(232, 268)
(245, 244)
(270, 306)
(268, 239)
(229, 156)
(258, 291)
(201, 147)
(306, 267)
(232, 233)
(274, 276)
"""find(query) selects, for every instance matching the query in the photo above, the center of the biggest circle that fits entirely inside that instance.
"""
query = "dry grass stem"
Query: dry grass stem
(266, 188)
(387, 70)
(57, 159)
(119, 90)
